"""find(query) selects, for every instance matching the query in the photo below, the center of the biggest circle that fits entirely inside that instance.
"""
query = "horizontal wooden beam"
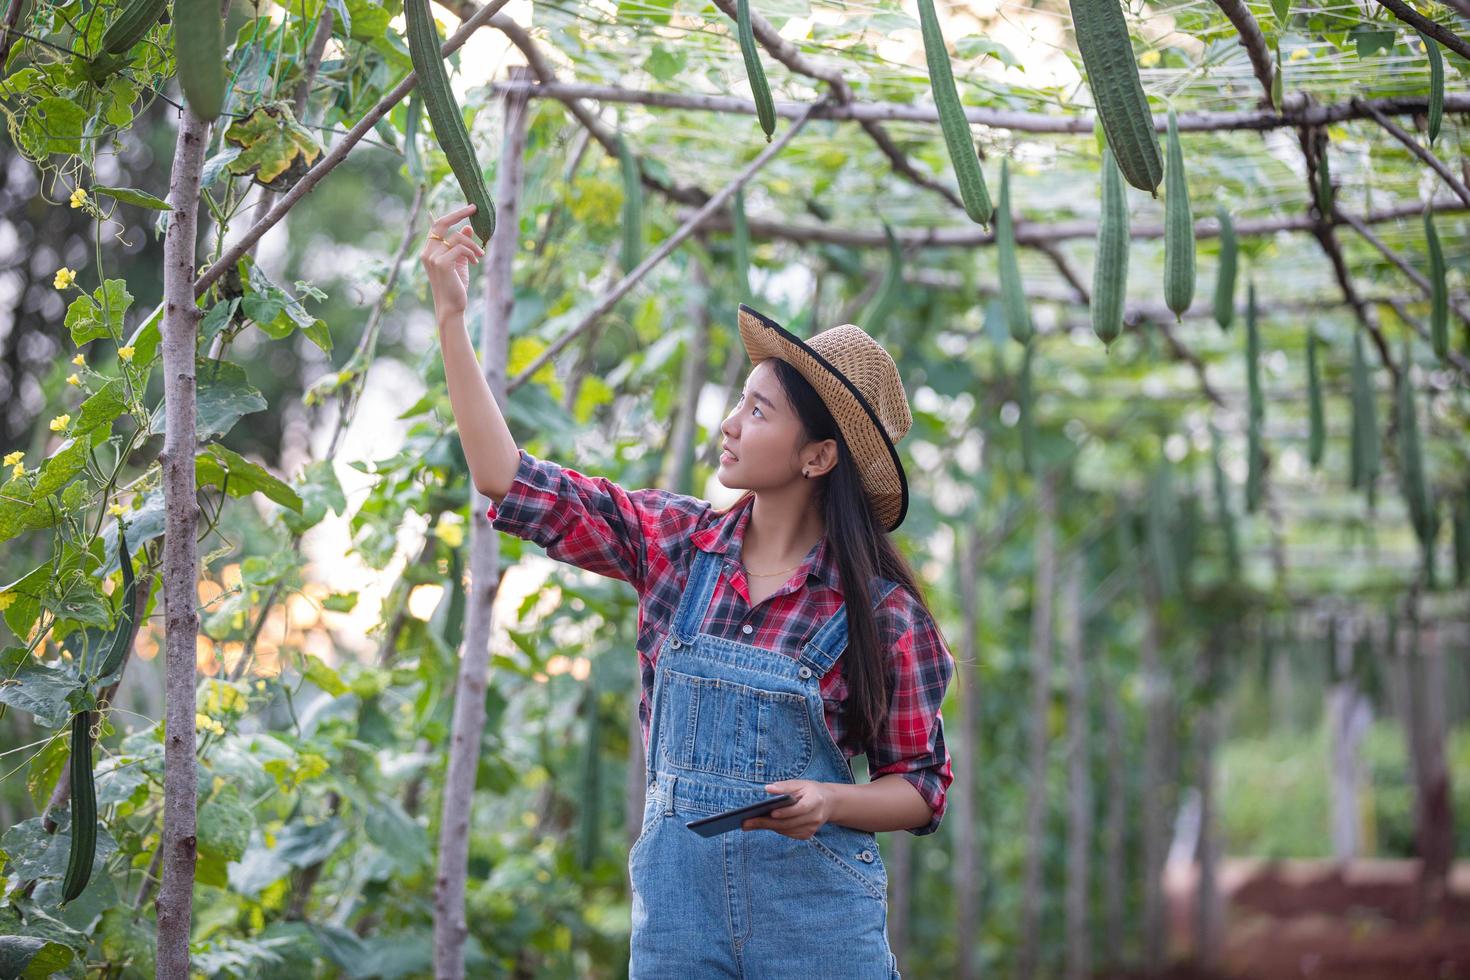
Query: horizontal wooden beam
(1027, 122)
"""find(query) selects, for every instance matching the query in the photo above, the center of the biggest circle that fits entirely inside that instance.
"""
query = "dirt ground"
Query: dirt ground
(1324, 920)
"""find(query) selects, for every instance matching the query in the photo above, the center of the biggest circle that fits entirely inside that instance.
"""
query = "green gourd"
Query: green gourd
(952, 121)
(632, 252)
(1436, 85)
(1112, 74)
(1439, 310)
(1317, 434)
(83, 849)
(1178, 229)
(425, 51)
(1013, 297)
(1255, 462)
(1110, 269)
(199, 51)
(1225, 277)
(765, 108)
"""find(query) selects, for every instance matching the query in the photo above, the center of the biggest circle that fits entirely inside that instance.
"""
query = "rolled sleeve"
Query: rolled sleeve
(912, 741)
(587, 521)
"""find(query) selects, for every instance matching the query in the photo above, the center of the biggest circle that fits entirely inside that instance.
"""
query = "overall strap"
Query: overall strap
(698, 592)
(827, 644)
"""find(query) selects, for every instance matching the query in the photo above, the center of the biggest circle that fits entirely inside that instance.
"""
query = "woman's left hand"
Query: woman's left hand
(801, 818)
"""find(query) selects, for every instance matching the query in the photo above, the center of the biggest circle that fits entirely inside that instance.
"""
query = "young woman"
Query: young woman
(777, 638)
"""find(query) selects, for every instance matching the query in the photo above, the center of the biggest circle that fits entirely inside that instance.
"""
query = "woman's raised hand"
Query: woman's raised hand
(446, 257)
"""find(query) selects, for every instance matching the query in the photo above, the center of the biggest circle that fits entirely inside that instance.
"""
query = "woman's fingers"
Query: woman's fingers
(463, 236)
(440, 225)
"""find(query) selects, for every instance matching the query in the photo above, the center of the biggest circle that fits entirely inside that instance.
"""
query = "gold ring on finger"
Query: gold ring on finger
(437, 236)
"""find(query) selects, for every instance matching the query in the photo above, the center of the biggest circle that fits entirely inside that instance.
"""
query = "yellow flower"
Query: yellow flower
(6, 598)
(77, 197)
(72, 379)
(18, 470)
(126, 353)
(207, 723)
(1148, 59)
(65, 654)
(64, 277)
(15, 457)
(1298, 54)
(116, 509)
(79, 361)
(259, 685)
(451, 534)
(60, 422)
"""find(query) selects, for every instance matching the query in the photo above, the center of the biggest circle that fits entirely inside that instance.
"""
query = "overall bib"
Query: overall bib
(728, 718)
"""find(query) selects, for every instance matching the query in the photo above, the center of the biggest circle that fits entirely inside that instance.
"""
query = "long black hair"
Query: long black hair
(862, 549)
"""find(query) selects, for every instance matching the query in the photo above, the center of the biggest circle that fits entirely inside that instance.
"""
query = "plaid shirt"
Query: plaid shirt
(644, 537)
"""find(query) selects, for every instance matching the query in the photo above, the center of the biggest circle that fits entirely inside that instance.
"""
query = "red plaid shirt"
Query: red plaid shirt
(645, 537)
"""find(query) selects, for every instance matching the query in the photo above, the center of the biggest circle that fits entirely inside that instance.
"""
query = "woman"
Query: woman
(742, 619)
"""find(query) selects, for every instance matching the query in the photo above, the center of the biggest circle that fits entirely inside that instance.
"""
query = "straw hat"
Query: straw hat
(859, 382)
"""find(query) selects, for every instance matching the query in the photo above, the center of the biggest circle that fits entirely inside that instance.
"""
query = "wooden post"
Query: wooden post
(1043, 587)
(180, 329)
(468, 725)
(1079, 776)
(966, 794)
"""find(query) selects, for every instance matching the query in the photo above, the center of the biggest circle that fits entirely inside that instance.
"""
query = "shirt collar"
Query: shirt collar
(724, 537)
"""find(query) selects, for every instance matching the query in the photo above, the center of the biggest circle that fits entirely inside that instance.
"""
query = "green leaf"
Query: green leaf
(57, 125)
(978, 46)
(33, 853)
(1371, 40)
(37, 688)
(212, 466)
(223, 397)
(224, 826)
(62, 465)
(100, 314)
(101, 407)
(323, 676)
(131, 195)
(32, 956)
(319, 492)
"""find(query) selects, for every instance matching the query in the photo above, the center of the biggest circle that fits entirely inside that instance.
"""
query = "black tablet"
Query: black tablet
(721, 823)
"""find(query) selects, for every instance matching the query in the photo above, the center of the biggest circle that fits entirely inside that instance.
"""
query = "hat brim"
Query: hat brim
(866, 437)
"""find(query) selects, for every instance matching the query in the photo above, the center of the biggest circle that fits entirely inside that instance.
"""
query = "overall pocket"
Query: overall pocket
(731, 729)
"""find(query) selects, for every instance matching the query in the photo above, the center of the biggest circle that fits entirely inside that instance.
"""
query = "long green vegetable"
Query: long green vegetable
(1256, 451)
(122, 633)
(1439, 309)
(1416, 491)
(888, 293)
(1178, 229)
(632, 252)
(424, 50)
(1225, 278)
(952, 121)
(1013, 296)
(1365, 463)
(83, 810)
(1222, 505)
(1436, 85)
(765, 108)
(1110, 269)
(1318, 434)
(199, 51)
(1112, 74)
(740, 245)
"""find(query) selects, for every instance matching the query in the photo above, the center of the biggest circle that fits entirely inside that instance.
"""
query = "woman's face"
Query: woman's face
(762, 433)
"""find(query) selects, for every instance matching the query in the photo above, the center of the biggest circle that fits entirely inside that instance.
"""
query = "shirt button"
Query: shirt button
(805, 672)
(747, 628)
(867, 856)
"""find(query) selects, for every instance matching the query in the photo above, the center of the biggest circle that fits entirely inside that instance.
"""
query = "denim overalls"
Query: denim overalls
(728, 718)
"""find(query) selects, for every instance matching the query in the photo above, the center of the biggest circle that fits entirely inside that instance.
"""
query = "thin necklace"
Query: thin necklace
(782, 572)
